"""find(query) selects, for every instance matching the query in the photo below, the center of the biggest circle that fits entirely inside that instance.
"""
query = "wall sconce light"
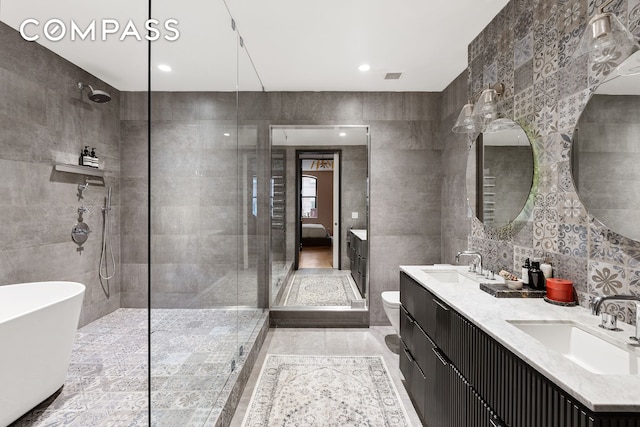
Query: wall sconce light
(467, 122)
(606, 39)
(472, 118)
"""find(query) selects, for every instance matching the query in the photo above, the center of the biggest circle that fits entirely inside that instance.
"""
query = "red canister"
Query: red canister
(560, 290)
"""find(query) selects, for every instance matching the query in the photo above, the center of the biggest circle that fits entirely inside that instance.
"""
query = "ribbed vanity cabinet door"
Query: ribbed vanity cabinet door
(442, 335)
(415, 381)
(442, 394)
(406, 367)
(432, 387)
(414, 299)
(407, 327)
(461, 344)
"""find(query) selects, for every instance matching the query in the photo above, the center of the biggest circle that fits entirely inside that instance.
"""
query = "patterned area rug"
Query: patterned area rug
(321, 290)
(325, 391)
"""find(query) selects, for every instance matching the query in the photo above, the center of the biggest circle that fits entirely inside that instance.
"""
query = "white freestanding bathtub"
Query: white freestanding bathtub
(38, 323)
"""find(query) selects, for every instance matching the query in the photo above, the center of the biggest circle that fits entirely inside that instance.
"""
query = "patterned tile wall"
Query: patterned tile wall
(529, 47)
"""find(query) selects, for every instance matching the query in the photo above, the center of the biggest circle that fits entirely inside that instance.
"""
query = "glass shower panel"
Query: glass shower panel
(195, 211)
(253, 204)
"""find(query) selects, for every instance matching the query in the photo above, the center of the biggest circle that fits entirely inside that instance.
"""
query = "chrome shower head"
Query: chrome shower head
(96, 95)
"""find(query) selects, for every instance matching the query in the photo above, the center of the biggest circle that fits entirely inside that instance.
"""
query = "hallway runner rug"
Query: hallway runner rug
(319, 391)
(321, 290)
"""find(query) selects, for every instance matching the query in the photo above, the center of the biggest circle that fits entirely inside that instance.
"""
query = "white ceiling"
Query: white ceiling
(296, 45)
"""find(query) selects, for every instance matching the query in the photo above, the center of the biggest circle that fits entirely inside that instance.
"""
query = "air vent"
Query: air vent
(392, 76)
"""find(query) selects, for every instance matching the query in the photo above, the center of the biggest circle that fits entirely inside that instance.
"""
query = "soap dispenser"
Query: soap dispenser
(547, 268)
(525, 272)
(94, 158)
(86, 157)
(536, 277)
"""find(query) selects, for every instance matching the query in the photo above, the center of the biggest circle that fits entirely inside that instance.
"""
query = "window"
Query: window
(309, 196)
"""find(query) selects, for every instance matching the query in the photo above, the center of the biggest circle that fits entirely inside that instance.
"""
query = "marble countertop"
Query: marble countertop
(360, 234)
(600, 393)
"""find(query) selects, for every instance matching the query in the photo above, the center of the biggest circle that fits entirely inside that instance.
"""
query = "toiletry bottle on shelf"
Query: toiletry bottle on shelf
(94, 158)
(86, 157)
(547, 269)
(525, 272)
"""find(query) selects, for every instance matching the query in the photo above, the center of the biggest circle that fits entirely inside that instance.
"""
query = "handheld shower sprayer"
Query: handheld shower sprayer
(107, 245)
(95, 95)
(108, 201)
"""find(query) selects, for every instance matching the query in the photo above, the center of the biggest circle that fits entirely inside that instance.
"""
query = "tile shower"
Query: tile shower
(184, 231)
(108, 379)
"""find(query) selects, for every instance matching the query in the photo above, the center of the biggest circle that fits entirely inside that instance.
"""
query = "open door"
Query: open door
(319, 210)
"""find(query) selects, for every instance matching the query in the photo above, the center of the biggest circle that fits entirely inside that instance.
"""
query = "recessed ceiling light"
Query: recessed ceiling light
(164, 67)
(343, 134)
(364, 67)
(226, 134)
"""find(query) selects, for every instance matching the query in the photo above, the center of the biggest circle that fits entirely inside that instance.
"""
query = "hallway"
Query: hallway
(316, 257)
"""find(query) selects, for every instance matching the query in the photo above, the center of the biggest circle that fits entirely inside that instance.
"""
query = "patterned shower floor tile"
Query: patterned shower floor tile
(108, 378)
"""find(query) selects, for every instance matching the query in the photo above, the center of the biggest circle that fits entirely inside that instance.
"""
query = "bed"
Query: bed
(315, 235)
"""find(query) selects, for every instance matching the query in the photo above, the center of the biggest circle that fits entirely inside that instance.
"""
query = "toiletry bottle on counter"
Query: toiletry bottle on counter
(525, 272)
(94, 158)
(547, 269)
(86, 157)
(536, 277)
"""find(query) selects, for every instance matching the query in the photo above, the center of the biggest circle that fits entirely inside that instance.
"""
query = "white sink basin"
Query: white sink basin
(448, 276)
(583, 348)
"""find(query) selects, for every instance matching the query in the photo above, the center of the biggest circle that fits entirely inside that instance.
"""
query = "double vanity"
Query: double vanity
(471, 359)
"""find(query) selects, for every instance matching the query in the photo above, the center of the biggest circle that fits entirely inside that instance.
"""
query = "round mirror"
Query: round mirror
(499, 174)
(605, 154)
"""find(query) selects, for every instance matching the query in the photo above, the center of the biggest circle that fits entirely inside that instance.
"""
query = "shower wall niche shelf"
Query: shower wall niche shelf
(80, 170)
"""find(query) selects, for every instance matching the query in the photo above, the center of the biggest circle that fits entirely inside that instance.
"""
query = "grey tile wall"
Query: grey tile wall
(134, 182)
(45, 120)
(405, 179)
(196, 244)
(547, 88)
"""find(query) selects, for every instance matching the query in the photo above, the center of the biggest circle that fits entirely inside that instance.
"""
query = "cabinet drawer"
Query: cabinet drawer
(356, 243)
(414, 338)
(362, 266)
(414, 379)
(432, 315)
(413, 298)
(364, 249)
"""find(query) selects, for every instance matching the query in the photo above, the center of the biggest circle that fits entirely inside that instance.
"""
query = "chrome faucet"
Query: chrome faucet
(609, 321)
(471, 253)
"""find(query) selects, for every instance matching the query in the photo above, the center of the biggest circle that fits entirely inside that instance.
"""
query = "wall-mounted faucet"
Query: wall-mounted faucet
(474, 254)
(609, 321)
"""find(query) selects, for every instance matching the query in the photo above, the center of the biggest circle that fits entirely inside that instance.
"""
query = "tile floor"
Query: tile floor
(191, 357)
(107, 380)
(330, 341)
(107, 383)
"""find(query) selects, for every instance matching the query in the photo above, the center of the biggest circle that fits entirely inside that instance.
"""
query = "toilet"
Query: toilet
(391, 304)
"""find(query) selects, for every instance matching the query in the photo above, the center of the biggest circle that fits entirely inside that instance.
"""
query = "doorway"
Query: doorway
(312, 282)
(318, 209)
